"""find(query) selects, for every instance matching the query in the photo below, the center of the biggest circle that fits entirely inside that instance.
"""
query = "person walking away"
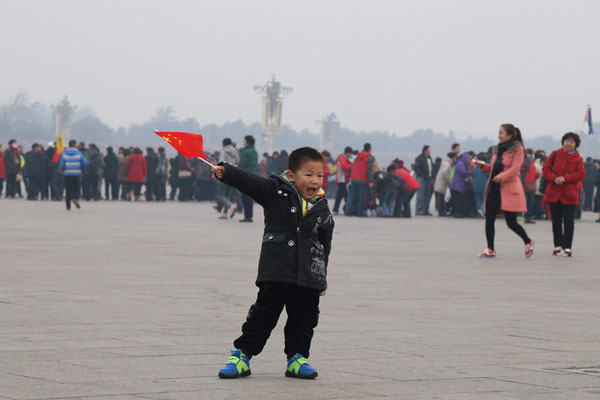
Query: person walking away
(538, 162)
(173, 177)
(504, 191)
(442, 181)
(458, 185)
(73, 163)
(111, 175)
(424, 173)
(361, 179)
(342, 178)
(480, 179)
(564, 171)
(151, 163)
(589, 182)
(249, 162)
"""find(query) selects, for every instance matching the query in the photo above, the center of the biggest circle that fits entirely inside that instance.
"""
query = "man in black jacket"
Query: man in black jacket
(292, 269)
(111, 171)
(36, 169)
(424, 173)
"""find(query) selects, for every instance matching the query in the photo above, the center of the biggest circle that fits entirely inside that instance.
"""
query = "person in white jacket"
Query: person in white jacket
(442, 181)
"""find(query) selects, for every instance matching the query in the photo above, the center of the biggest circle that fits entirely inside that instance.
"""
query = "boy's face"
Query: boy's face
(308, 178)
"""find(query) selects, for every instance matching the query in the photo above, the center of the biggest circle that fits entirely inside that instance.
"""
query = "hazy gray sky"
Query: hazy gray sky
(389, 65)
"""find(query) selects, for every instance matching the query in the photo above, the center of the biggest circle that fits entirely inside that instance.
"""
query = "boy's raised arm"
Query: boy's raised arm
(258, 188)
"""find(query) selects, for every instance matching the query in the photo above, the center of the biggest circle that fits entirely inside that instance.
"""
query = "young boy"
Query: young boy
(292, 268)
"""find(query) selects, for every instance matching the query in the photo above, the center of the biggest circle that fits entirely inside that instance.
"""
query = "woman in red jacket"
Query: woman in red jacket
(564, 171)
(137, 171)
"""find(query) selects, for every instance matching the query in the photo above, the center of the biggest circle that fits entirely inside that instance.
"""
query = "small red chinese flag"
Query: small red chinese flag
(188, 144)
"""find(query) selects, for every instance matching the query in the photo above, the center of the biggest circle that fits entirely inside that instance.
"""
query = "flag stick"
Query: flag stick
(211, 165)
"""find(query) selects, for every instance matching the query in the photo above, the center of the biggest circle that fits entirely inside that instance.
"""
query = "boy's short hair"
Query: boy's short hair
(367, 147)
(347, 150)
(226, 141)
(571, 135)
(249, 139)
(72, 143)
(300, 155)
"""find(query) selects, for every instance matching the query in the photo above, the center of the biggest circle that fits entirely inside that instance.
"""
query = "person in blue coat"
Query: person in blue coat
(73, 163)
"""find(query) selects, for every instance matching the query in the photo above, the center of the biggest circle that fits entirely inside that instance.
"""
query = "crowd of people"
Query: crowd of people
(454, 186)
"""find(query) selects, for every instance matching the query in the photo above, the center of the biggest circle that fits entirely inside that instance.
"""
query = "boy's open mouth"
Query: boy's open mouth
(311, 191)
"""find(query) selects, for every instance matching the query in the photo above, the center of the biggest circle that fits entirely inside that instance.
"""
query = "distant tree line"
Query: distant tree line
(34, 122)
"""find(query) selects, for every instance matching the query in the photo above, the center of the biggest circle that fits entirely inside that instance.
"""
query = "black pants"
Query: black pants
(72, 189)
(91, 190)
(111, 186)
(137, 188)
(34, 187)
(491, 211)
(440, 204)
(1, 185)
(248, 202)
(563, 216)
(341, 194)
(150, 183)
(11, 185)
(459, 204)
(56, 186)
(160, 190)
(302, 307)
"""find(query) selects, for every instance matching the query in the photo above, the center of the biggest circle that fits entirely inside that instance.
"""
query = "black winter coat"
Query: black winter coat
(152, 163)
(36, 165)
(422, 167)
(295, 249)
(111, 166)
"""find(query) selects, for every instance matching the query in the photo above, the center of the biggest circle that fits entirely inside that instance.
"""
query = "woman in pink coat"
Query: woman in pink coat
(504, 191)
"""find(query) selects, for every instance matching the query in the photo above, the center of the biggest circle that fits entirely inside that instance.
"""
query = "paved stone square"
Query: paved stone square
(142, 301)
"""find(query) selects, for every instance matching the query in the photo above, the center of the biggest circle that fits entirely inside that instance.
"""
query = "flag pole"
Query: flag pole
(211, 165)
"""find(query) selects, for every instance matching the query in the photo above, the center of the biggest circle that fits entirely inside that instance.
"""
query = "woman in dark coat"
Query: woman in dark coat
(564, 172)
(137, 172)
